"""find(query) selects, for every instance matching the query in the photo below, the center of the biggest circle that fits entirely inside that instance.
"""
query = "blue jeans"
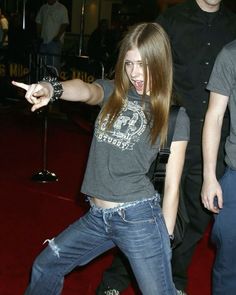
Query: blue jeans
(224, 237)
(137, 228)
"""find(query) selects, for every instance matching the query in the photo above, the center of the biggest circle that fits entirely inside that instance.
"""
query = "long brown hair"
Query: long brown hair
(154, 47)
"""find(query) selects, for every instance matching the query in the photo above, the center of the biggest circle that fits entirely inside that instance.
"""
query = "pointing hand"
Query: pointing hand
(37, 94)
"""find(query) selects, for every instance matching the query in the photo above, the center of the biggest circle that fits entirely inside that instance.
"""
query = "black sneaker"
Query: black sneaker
(112, 292)
(106, 290)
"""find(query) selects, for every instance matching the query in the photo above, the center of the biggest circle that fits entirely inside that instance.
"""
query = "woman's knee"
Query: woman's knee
(46, 258)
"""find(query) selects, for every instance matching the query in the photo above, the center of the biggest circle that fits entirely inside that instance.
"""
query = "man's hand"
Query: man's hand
(212, 198)
(38, 95)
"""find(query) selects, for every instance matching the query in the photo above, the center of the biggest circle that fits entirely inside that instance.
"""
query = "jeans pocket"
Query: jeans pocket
(137, 214)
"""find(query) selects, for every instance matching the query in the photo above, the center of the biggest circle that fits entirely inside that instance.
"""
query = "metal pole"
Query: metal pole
(23, 18)
(81, 37)
(45, 139)
(44, 175)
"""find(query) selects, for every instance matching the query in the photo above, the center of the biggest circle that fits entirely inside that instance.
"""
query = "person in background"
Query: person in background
(52, 21)
(102, 45)
(3, 30)
(125, 208)
(99, 43)
(198, 29)
(218, 196)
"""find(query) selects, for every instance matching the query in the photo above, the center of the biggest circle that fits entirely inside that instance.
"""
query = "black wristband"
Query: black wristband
(56, 85)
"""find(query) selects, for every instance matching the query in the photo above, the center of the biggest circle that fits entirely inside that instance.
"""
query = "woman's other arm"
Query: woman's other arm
(174, 170)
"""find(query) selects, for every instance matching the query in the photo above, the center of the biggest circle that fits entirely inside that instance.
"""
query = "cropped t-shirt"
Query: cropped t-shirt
(120, 157)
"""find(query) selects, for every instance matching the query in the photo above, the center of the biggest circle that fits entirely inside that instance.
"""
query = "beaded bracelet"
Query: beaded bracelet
(56, 85)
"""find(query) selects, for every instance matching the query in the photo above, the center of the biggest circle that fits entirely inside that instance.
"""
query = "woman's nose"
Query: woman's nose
(135, 70)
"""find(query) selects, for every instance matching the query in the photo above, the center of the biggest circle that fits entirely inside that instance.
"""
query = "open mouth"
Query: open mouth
(138, 85)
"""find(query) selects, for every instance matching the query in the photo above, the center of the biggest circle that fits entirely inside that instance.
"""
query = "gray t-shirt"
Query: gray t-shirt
(120, 158)
(223, 81)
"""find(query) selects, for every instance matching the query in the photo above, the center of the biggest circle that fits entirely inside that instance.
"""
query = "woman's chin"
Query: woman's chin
(139, 91)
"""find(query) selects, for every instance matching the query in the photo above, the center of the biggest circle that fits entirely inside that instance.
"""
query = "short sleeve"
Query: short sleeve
(182, 127)
(108, 87)
(223, 76)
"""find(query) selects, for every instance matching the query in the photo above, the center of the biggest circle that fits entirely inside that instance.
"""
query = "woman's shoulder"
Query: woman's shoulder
(107, 85)
(183, 116)
(182, 128)
(181, 112)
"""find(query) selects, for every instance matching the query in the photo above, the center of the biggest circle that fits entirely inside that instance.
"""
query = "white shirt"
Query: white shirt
(51, 17)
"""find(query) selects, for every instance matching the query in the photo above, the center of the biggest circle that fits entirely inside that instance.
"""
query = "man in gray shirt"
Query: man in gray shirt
(219, 196)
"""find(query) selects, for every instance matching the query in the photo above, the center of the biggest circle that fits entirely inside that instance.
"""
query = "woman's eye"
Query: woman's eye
(131, 64)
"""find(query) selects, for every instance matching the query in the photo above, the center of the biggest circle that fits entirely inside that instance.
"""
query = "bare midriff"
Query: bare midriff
(104, 204)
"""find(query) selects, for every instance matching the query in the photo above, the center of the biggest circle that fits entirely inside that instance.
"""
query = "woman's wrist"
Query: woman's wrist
(56, 88)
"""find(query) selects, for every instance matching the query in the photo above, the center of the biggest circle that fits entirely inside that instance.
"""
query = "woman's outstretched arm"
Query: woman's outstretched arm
(41, 93)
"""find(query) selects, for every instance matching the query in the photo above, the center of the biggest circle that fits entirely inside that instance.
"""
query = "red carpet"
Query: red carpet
(31, 212)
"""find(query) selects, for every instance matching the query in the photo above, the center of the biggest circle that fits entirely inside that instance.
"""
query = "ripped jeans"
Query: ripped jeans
(137, 228)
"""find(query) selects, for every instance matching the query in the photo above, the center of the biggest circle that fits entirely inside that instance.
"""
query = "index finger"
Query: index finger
(21, 85)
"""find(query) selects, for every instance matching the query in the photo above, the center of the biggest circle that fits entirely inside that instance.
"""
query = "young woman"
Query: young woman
(129, 131)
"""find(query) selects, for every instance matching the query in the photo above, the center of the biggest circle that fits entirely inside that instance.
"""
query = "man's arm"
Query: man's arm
(64, 21)
(60, 32)
(210, 144)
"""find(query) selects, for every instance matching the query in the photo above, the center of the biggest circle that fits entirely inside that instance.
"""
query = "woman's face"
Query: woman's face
(135, 71)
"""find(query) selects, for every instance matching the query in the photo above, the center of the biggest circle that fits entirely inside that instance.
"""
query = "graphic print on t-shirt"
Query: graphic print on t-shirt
(127, 128)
